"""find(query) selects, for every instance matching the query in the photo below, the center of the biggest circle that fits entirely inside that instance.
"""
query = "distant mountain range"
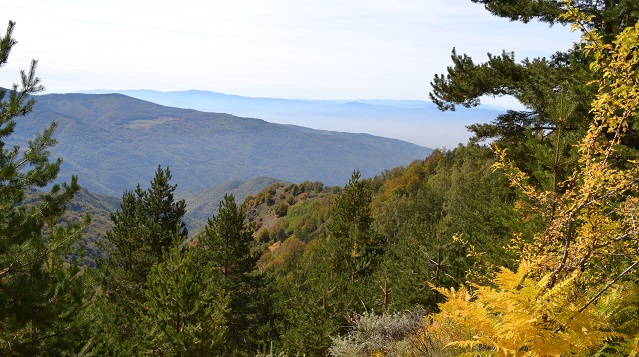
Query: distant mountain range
(415, 121)
(113, 142)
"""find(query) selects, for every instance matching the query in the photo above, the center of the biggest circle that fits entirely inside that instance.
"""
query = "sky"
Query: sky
(313, 49)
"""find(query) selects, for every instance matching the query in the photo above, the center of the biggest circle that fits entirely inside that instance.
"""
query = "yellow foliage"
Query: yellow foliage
(594, 218)
(520, 317)
(576, 281)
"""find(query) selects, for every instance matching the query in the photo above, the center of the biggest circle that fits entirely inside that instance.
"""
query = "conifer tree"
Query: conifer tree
(545, 87)
(354, 248)
(333, 282)
(40, 293)
(228, 240)
(316, 298)
(226, 247)
(575, 290)
(143, 230)
(608, 17)
(351, 225)
(184, 307)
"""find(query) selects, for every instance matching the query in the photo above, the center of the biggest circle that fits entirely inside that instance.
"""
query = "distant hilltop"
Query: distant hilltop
(414, 121)
(113, 142)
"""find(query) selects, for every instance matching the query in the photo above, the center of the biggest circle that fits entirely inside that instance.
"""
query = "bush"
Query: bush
(386, 335)
(281, 208)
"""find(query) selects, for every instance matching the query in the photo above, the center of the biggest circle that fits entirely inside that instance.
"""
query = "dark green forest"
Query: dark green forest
(522, 242)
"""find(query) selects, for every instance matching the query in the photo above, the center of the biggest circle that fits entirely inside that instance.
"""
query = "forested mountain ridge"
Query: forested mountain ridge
(422, 123)
(113, 142)
(529, 247)
(407, 219)
(202, 205)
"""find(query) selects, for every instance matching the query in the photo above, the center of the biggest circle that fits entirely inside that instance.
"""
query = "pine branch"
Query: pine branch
(6, 271)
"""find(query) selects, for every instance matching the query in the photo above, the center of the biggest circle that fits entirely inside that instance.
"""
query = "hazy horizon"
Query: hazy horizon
(417, 122)
(376, 49)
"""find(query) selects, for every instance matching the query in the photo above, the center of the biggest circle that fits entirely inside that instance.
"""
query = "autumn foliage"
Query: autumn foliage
(574, 292)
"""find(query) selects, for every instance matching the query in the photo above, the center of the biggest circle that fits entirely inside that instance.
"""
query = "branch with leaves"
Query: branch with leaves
(567, 296)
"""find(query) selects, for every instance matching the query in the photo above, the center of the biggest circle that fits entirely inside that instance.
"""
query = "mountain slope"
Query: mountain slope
(415, 121)
(203, 205)
(114, 142)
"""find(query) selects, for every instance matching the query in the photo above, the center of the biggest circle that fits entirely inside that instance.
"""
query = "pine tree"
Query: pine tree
(40, 293)
(226, 247)
(608, 17)
(143, 230)
(228, 240)
(333, 281)
(575, 290)
(163, 210)
(351, 225)
(184, 307)
(553, 90)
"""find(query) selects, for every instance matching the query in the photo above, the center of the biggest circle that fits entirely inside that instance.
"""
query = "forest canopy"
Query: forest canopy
(528, 246)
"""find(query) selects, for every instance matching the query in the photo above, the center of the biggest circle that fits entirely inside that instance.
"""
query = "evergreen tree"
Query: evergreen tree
(421, 252)
(332, 282)
(228, 240)
(40, 293)
(226, 247)
(143, 229)
(163, 211)
(313, 299)
(449, 228)
(575, 290)
(184, 309)
(354, 247)
(533, 81)
(609, 17)
(351, 225)
(553, 90)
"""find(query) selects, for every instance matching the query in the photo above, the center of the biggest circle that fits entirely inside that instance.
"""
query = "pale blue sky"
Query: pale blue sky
(318, 49)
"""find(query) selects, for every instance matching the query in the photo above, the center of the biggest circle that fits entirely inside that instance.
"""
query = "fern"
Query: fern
(574, 293)
(520, 317)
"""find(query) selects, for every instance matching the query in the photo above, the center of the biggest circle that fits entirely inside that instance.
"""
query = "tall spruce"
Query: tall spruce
(143, 230)
(226, 247)
(41, 294)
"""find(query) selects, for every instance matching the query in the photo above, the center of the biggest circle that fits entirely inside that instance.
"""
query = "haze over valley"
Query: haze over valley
(414, 121)
(319, 178)
(113, 142)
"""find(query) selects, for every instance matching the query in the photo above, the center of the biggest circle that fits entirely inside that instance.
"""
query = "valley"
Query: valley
(197, 223)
